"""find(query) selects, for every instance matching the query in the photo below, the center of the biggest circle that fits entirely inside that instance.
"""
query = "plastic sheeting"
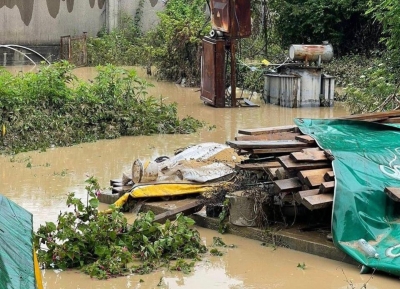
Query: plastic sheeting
(200, 163)
(367, 159)
(17, 264)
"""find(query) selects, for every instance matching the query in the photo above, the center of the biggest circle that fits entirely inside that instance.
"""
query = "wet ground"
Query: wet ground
(39, 182)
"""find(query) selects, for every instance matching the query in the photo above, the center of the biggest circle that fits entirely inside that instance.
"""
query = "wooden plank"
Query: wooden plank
(373, 115)
(281, 174)
(269, 144)
(188, 209)
(305, 138)
(286, 185)
(309, 156)
(319, 201)
(299, 196)
(393, 193)
(329, 176)
(266, 130)
(271, 136)
(329, 155)
(303, 174)
(314, 180)
(327, 187)
(392, 120)
(260, 166)
(276, 150)
(289, 164)
(271, 172)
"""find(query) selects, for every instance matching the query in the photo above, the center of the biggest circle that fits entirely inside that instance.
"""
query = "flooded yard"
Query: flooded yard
(40, 181)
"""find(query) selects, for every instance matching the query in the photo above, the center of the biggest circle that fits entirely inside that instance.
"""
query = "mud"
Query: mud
(40, 181)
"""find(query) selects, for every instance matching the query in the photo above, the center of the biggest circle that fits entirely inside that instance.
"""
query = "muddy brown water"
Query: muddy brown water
(43, 187)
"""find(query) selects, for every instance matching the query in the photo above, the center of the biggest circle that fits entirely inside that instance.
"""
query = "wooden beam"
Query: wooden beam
(289, 164)
(188, 209)
(329, 176)
(373, 115)
(314, 180)
(303, 174)
(287, 185)
(299, 196)
(271, 136)
(327, 187)
(305, 138)
(281, 174)
(309, 156)
(269, 144)
(271, 172)
(266, 130)
(276, 150)
(319, 201)
(392, 120)
(393, 193)
(260, 166)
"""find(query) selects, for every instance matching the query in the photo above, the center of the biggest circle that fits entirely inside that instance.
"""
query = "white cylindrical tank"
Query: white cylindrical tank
(303, 52)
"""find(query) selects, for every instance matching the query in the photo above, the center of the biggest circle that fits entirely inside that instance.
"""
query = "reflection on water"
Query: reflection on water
(41, 188)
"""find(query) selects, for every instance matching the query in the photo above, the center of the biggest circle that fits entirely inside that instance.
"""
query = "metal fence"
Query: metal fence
(74, 49)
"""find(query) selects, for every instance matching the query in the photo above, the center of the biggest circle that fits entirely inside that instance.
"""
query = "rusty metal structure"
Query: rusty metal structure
(301, 82)
(74, 49)
(231, 20)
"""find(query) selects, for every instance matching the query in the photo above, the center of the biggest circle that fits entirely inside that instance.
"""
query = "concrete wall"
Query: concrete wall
(42, 22)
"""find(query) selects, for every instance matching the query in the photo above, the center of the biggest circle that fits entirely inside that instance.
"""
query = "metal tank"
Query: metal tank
(311, 53)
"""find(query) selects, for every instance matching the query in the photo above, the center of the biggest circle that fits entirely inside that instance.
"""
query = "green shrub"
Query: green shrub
(53, 108)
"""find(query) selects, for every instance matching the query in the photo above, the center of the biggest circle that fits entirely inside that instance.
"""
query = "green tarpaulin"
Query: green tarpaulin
(367, 159)
(16, 252)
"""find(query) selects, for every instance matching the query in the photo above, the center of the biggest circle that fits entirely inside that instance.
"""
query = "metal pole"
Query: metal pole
(5, 59)
(233, 73)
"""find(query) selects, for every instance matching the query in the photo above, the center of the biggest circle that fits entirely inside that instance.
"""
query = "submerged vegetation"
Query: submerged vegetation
(53, 108)
(105, 245)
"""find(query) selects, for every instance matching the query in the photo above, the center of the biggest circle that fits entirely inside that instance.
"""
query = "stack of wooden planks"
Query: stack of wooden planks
(294, 162)
(299, 169)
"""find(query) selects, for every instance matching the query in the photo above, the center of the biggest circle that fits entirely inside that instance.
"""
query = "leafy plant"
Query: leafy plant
(104, 245)
(53, 108)
(175, 42)
(301, 266)
(216, 252)
(223, 222)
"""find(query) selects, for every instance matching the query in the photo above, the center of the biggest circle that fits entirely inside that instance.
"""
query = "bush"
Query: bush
(53, 108)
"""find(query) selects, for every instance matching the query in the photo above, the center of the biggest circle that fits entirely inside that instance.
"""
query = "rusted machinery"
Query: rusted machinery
(230, 21)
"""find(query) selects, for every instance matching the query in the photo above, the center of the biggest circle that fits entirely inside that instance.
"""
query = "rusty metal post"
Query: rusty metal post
(233, 73)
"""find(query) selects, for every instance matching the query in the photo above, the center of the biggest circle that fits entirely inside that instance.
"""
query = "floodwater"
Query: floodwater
(41, 187)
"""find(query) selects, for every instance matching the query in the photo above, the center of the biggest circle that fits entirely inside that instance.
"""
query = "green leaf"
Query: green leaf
(94, 202)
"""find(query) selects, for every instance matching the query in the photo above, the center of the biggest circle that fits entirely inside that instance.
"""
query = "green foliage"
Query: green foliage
(223, 218)
(52, 107)
(104, 245)
(301, 266)
(387, 13)
(342, 23)
(175, 43)
(120, 46)
(373, 90)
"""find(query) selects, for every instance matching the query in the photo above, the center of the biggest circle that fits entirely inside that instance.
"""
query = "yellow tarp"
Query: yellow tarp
(164, 190)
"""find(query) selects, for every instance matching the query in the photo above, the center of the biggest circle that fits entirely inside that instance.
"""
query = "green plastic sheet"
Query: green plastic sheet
(16, 253)
(366, 160)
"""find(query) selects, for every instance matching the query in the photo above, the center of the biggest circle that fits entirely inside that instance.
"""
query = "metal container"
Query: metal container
(231, 17)
(327, 90)
(289, 90)
(311, 53)
(272, 83)
(213, 72)
(310, 88)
